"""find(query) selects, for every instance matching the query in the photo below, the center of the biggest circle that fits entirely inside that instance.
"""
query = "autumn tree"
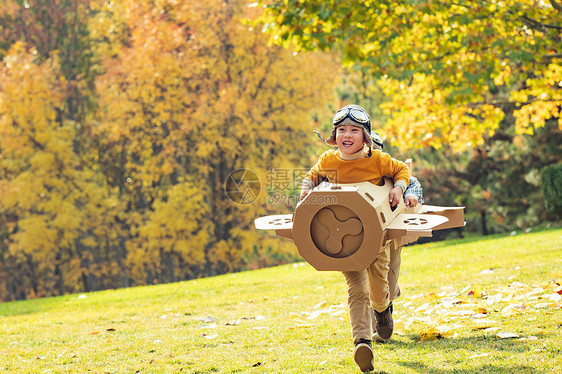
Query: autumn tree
(56, 28)
(450, 71)
(120, 123)
(442, 77)
(51, 206)
(193, 96)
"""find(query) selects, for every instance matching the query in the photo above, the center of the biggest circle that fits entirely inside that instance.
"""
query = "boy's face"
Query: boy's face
(349, 139)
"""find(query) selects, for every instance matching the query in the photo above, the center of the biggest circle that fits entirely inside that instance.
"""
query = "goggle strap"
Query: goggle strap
(320, 136)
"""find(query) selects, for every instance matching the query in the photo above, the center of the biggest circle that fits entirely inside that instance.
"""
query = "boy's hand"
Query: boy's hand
(303, 194)
(395, 196)
(411, 201)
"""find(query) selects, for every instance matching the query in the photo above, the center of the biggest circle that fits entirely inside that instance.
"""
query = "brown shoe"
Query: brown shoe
(363, 355)
(384, 324)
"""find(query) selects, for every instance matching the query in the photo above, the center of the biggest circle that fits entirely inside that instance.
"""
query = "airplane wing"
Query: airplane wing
(455, 214)
(275, 222)
(407, 228)
(416, 222)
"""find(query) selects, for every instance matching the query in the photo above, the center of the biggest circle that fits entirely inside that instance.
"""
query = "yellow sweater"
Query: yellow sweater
(335, 169)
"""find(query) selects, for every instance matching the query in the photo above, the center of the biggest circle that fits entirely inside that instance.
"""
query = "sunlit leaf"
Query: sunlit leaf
(484, 324)
(506, 335)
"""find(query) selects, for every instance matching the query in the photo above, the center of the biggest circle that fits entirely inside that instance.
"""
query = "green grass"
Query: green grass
(162, 329)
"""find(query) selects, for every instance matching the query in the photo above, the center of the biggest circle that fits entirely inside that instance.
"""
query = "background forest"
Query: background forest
(127, 127)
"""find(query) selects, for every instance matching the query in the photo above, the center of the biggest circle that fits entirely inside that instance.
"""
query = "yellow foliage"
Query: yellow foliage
(53, 198)
(540, 101)
(179, 224)
(419, 117)
(134, 191)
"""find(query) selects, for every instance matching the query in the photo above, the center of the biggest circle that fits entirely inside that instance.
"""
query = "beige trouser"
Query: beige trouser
(367, 289)
(393, 273)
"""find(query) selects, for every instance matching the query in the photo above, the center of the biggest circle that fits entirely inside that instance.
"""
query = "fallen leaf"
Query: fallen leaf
(480, 355)
(314, 315)
(233, 322)
(209, 326)
(493, 299)
(537, 291)
(319, 305)
(449, 302)
(528, 339)
(479, 315)
(512, 310)
(111, 329)
(428, 311)
(257, 364)
(518, 285)
(484, 324)
(399, 328)
(447, 331)
(482, 308)
(302, 325)
(440, 331)
(421, 307)
(211, 336)
(427, 336)
(94, 333)
(476, 291)
(462, 313)
(506, 335)
(337, 312)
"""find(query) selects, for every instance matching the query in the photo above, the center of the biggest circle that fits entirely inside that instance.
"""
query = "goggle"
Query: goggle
(377, 138)
(356, 114)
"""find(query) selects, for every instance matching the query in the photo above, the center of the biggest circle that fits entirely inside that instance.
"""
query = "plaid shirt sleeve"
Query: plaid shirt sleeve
(414, 188)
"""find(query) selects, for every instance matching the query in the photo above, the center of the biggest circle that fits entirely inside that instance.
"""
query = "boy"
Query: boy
(352, 163)
(412, 196)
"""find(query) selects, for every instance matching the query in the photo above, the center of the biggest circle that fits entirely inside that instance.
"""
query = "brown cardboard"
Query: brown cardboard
(344, 227)
(454, 214)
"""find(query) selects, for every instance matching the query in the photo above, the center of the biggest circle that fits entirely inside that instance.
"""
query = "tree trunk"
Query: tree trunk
(483, 222)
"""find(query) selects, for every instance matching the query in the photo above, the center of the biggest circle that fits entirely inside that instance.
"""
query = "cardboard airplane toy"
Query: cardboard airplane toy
(343, 227)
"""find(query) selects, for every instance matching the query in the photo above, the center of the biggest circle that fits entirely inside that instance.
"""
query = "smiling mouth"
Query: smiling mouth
(347, 144)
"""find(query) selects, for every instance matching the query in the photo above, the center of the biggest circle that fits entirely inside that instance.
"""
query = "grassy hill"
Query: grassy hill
(460, 301)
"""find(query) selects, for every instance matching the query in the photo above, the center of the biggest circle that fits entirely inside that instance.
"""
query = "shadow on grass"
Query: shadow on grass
(477, 345)
(485, 368)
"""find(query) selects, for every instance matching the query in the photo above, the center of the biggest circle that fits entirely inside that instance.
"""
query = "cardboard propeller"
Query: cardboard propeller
(344, 227)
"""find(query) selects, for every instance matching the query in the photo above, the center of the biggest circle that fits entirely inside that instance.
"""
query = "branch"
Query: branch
(556, 6)
(508, 102)
(551, 56)
(537, 23)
